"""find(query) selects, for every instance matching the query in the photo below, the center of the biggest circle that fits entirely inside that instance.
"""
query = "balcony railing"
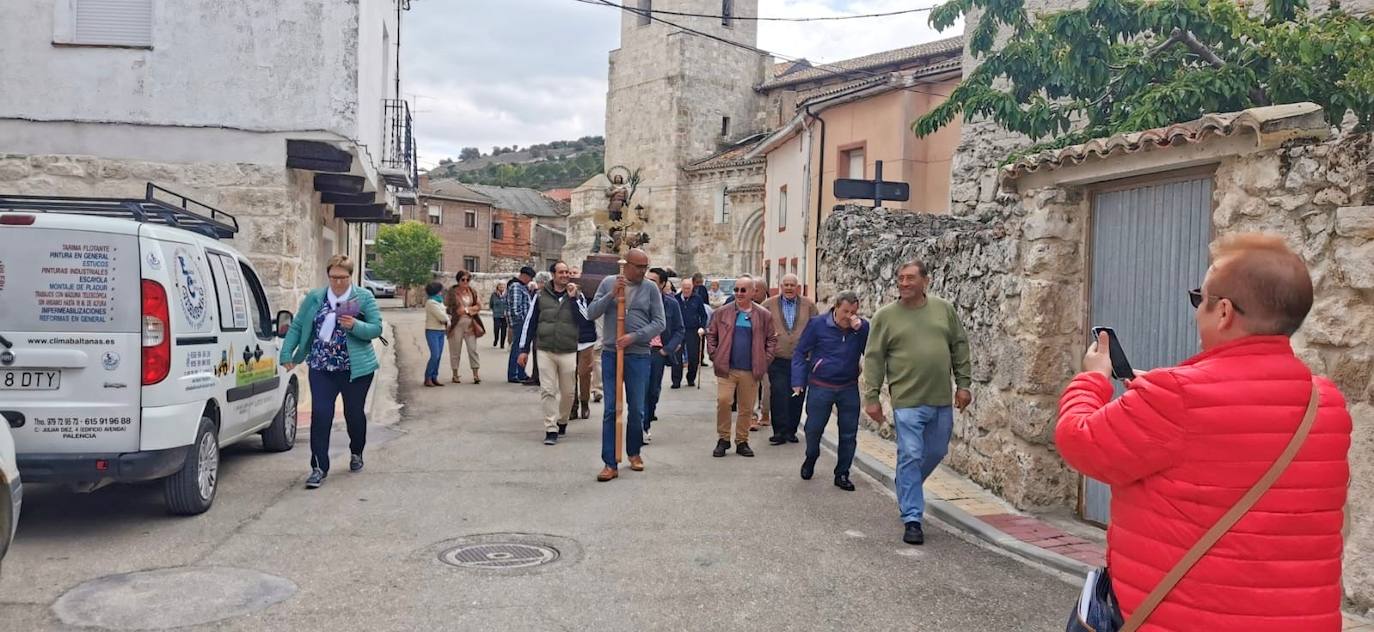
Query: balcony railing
(399, 167)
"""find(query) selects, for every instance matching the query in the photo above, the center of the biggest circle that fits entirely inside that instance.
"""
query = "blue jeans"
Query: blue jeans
(922, 441)
(325, 389)
(636, 387)
(515, 371)
(657, 363)
(819, 402)
(435, 338)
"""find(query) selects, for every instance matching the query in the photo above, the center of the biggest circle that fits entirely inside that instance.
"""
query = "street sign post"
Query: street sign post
(875, 189)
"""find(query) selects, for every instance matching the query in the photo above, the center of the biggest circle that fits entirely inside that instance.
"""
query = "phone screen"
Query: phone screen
(1121, 367)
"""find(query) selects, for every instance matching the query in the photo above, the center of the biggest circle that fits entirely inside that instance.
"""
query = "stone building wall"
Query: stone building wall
(719, 249)
(280, 218)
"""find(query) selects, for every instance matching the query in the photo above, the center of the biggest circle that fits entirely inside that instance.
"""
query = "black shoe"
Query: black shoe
(792, 439)
(913, 534)
(743, 449)
(596, 398)
(691, 385)
(675, 386)
(721, 447)
(842, 481)
(551, 438)
(734, 408)
(808, 468)
(355, 463)
(562, 429)
(572, 414)
(316, 479)
(776, 440)
(531, 382)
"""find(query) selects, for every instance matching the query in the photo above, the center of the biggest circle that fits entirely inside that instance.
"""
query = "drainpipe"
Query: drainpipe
(820, 195)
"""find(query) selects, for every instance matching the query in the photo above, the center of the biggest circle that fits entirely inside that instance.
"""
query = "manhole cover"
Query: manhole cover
(507, 552)
(500, 555)
(170, 598)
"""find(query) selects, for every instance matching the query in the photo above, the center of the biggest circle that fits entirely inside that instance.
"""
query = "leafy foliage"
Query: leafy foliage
(406, 253)
(559, 164)
(1128, 65)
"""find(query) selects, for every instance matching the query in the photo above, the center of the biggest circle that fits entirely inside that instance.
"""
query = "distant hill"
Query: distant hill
(560, 164)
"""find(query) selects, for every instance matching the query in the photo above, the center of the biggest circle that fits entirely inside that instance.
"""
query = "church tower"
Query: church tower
(676, 97)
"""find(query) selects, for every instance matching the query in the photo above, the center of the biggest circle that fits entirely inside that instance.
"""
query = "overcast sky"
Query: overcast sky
(519, 72)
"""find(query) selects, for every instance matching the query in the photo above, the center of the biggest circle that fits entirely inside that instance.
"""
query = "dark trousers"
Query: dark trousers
(498, 335)
(786, 409)
(325, 388)
(514, 372)
(819, 402)
(690, 356)
(657, 362)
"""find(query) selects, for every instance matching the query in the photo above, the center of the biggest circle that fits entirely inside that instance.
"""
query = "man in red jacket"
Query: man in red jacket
(1184, 443)
(741, 342)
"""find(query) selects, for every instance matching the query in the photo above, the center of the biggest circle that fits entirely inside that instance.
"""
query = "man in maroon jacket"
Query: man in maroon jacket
(741, 342)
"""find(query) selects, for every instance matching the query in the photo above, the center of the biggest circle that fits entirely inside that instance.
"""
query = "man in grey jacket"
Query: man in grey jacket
(644, 319)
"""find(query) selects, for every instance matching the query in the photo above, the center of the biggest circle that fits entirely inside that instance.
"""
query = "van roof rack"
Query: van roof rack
(158, 206)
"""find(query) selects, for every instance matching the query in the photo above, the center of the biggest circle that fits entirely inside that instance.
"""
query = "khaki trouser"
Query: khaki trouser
(458, 338)
(556, 374)
(588, 374)
(742, 386)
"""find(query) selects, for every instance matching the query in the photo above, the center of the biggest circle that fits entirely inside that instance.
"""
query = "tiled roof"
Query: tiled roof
(1273, 125)
(858, 65)
(519, 200)
(732, 157)
(455, 190)
(561, 195)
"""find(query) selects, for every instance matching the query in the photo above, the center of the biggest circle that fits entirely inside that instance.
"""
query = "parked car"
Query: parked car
(138, 342)
(11, 491)
(380, 288)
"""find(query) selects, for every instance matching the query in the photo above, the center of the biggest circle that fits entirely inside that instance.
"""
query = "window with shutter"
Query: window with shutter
(108, 23)
(722, 209)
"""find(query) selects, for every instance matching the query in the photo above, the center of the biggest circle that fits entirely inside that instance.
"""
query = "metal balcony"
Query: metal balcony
(399, 167)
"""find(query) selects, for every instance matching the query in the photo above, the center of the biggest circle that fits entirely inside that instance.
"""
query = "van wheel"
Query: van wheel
(192, 489)
(281, 435)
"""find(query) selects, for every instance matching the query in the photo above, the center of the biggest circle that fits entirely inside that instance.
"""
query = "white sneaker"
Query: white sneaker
(647, 437)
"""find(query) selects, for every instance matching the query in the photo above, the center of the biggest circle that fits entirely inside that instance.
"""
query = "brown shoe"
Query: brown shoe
(607, 473)
(429, 382)
(637, 463)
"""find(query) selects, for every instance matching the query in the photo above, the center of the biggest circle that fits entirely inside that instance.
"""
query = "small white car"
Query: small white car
(11, 492)
(380, 288)
(135, 342)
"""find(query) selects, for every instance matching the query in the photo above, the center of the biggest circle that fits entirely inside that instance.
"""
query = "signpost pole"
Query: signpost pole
(878, 184)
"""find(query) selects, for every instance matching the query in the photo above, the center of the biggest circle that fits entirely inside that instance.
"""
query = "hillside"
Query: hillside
(560, 164)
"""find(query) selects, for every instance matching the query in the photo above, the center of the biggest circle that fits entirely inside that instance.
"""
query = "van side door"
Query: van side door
(240, 351)
(268, 389)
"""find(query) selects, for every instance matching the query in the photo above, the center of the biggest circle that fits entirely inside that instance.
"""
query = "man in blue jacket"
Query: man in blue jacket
(827, 362)
(664, 348)
(694, 318)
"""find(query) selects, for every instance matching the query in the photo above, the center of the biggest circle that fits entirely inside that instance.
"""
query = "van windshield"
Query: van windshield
(69, 281)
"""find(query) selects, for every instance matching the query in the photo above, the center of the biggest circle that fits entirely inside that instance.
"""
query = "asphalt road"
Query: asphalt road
(693, 543)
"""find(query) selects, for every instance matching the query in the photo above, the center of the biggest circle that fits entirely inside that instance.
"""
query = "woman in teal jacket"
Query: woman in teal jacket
(332, 334)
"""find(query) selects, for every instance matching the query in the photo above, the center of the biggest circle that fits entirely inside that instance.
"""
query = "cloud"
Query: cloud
(518, 72)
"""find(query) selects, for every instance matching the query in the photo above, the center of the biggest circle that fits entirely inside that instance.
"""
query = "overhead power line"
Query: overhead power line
(844, 73)
(832, 18)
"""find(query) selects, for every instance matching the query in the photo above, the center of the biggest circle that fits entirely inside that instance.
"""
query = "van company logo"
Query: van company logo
(154, 261)
(192, 288)
(110, 360)
(6, 357)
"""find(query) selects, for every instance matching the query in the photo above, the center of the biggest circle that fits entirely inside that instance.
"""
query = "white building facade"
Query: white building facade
(284, 114)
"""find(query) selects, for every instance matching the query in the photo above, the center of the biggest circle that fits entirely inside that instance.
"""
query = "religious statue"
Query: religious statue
(616, 230)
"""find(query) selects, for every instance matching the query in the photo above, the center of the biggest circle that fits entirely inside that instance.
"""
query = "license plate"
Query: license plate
(30, 380)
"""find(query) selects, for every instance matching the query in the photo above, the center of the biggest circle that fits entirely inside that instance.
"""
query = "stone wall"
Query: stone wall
(280, 218)
(1004, 440)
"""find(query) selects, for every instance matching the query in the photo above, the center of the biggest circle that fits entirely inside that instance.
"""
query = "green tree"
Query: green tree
(407, 253)
(469, 153)
(1128, 65)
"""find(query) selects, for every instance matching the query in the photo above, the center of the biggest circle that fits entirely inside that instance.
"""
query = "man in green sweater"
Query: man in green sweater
(917, 345)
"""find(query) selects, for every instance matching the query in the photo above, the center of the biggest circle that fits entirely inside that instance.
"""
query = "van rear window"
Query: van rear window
(68, 281)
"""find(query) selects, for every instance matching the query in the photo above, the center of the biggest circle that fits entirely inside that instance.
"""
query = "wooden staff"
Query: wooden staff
(620, 372)
(701, 352)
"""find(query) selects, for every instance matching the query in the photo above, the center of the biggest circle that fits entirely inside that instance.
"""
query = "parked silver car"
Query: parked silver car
(380, 288)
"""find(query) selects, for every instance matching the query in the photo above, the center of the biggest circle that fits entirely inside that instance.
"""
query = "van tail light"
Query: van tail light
(157, 335)
(16, 220)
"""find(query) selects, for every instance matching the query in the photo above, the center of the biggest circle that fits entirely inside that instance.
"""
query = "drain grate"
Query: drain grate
(500, 555)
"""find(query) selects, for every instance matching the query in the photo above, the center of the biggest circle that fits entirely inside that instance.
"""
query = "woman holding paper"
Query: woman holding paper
(332, 334)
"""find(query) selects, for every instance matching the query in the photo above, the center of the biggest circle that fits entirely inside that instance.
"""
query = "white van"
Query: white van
(134, 343)
(11, 492)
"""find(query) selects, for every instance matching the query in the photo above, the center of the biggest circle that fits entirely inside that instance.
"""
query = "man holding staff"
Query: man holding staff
(627, 337)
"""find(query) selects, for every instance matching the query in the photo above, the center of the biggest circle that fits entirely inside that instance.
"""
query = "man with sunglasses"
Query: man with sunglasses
(1183, 444)
(741, 342)
(644, 319)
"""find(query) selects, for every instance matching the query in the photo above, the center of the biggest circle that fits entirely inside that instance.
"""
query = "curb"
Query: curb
(966, 522)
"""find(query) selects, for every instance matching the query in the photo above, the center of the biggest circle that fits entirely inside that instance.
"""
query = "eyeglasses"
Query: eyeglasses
(1195, 297)
(741, 291)
(340, 278)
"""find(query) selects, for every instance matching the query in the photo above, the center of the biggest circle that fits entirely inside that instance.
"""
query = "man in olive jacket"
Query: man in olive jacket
(791, 312)
(556, 317)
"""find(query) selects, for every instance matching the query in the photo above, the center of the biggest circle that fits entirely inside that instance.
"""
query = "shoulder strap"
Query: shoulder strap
(1227, 521)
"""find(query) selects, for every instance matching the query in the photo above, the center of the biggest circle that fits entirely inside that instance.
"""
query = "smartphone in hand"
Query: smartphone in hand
(1121, 367)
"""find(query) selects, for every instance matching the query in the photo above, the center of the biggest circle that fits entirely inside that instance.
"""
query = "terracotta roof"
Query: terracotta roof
(560, 195)
(735, 156)
(1273, 125)
(859, 65)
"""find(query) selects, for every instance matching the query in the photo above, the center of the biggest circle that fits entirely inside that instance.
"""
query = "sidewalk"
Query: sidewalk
(967, 506)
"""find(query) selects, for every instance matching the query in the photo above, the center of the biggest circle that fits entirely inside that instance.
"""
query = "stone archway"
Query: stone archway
(748, 248)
